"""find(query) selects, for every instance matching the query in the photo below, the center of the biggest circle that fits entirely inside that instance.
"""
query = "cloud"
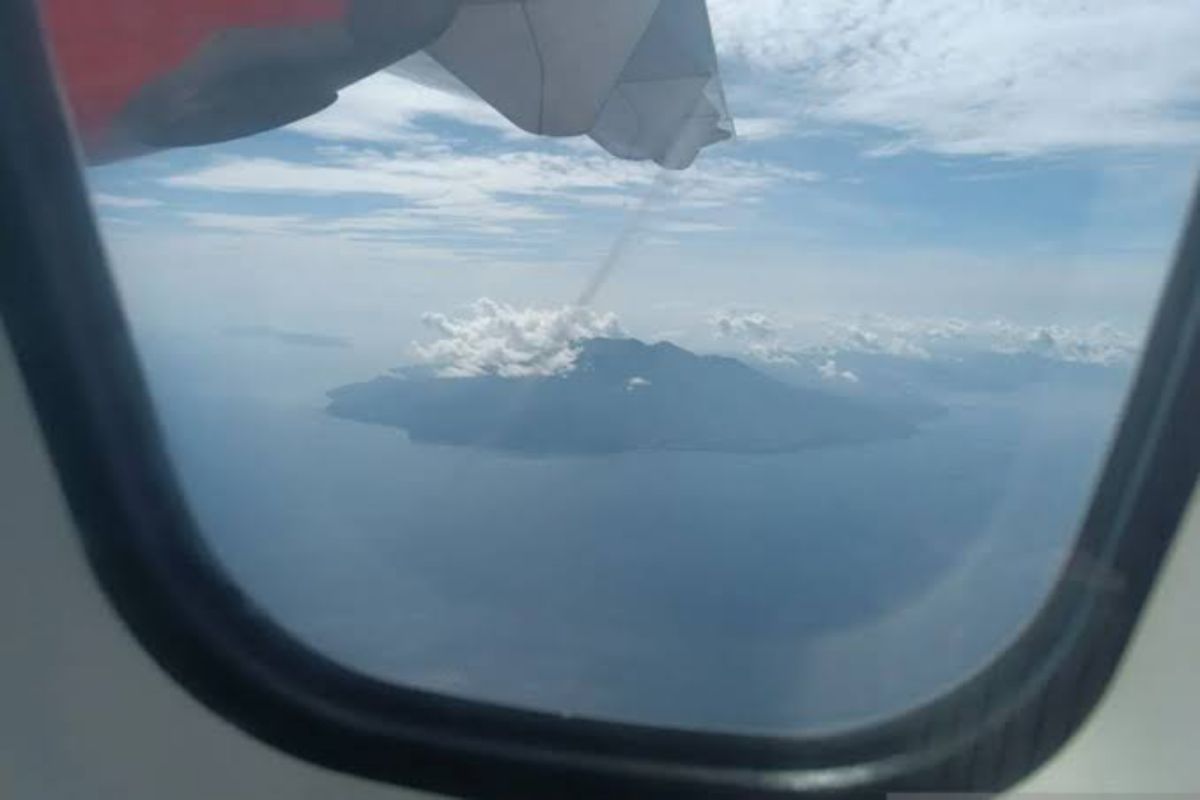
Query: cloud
(495, 338)
(926, 338)
(246, 223)
(298, 338)
(820, 341)
(445, 178)
(481, 192)
(830, 371)
(1099, 344)
(751, 325)
(1016, 78)
(637, 382)
(688, 227)
(460, 192)
(881, 339)
(761, 129)
(389, 108)
(105, 200)
(760, 335)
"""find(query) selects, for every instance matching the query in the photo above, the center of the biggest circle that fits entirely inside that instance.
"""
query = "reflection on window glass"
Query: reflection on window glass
(775, 432)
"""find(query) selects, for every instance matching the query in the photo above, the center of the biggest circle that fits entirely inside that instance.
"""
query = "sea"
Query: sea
(776, 593)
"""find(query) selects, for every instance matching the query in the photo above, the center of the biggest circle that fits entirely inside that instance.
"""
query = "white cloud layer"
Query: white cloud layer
(770, 340)
(760, 335)
(120, 201)
(931, 337)
(389, 108)
(495, 338)
(246, 223)
(474, 192)
(1020, 77)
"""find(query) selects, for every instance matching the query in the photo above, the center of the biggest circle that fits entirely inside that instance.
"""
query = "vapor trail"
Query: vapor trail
(658, 190)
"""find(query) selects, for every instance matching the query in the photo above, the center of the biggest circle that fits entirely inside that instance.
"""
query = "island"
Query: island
(621, 395)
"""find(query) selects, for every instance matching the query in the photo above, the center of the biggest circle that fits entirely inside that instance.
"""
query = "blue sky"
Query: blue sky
(1001, 165)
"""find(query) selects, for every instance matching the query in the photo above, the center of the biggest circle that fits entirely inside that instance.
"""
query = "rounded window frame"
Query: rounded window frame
(63, 316)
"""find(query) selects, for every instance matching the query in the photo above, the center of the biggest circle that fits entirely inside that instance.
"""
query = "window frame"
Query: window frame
(73, 346)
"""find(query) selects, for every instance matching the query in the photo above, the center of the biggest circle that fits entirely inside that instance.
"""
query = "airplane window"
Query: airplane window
(737, 367)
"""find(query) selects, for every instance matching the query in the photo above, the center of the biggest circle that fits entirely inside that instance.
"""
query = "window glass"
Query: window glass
(787, 438)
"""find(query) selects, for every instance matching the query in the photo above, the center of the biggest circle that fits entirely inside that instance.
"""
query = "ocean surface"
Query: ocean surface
(776, 593)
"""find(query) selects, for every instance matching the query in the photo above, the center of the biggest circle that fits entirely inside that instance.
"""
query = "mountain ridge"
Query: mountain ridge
(622, 395)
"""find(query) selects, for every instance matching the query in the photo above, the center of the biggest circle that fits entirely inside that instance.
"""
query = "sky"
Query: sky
(1010, 174)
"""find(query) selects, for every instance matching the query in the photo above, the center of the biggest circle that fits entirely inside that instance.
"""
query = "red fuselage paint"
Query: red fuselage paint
(107, 50)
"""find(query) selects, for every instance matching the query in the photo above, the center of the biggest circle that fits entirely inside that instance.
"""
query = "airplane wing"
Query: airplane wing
(144, 75)
(638, 76)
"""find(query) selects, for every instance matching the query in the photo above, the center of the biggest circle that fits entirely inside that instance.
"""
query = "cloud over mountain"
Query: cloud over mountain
(495, 338)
